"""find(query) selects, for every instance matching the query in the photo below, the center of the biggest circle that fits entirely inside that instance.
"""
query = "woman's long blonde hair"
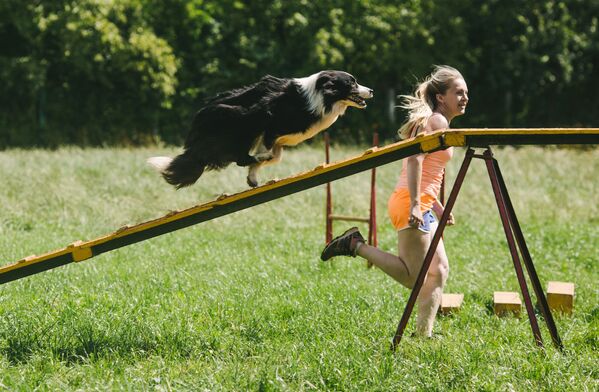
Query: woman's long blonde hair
(422, 104)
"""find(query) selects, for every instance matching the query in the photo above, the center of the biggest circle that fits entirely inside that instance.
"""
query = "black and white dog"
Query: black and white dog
(250, 125)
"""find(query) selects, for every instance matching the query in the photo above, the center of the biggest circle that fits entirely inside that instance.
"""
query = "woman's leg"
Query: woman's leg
(404, 268)
(412, 247)
(430, 294)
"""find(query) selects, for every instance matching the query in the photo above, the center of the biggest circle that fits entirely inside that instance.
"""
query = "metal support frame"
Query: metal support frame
(515, 240)
(371, 220)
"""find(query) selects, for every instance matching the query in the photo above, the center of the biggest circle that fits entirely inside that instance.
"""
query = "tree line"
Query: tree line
(101, 72)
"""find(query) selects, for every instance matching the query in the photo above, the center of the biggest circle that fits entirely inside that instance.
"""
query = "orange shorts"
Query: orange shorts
(399, 207)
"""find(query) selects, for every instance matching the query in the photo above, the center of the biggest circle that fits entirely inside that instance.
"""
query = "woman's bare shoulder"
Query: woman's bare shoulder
(437, 121)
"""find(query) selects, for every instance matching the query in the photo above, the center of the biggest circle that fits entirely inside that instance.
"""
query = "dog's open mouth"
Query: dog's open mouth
(358, 100)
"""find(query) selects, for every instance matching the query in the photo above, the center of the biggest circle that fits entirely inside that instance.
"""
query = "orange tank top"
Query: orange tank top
(433, 168)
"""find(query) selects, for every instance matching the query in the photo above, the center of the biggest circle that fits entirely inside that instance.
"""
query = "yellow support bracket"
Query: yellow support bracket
(80, 251)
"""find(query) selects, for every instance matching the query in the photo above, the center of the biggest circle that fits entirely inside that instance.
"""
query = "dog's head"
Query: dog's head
(339, 86)
(327, 90)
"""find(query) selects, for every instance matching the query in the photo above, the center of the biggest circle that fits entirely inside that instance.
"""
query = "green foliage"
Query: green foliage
(87, 67)
(125, 71)
(535, 60)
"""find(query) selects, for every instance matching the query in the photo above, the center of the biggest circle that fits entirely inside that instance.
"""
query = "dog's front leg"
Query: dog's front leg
(259, 151)
(264, 157)
(252, 178)
(276, 155)
(257, 154)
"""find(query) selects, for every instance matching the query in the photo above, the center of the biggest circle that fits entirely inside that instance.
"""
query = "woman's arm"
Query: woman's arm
(414, 170)
(414, 173)
(438, 210)
(438, 121)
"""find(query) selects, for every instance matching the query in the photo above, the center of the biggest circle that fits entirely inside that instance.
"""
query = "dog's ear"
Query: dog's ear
(326, 84)
(327, 87)
(323, 82)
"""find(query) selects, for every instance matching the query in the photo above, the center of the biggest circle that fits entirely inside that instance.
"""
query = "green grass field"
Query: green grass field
(244, 303)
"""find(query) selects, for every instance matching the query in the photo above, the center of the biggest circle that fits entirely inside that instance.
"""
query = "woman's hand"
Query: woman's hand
(438, 210)
(450, 220)
(415, 219)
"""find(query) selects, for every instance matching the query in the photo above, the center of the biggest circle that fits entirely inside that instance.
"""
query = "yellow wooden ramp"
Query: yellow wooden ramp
(82, 250)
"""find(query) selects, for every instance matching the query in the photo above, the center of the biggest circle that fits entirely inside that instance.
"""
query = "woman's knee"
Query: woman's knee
(440, 269)
(412, 248)
(410, 281)
(438, 272)
(412, 271)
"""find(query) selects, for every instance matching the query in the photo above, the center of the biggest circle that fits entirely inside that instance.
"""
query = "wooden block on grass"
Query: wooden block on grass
(450, 303)
(506, 302)
(560, 296)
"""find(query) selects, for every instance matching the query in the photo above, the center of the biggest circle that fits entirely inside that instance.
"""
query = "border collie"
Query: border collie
(250, 125)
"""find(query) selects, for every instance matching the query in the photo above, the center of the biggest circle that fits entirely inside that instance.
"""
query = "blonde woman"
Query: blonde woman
(442, 96)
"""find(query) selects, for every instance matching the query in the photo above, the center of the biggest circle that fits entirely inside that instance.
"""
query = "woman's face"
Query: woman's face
(455, 99)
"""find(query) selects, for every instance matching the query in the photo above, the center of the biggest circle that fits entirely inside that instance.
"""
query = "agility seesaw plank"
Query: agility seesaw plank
(80, 250)
(520, 136)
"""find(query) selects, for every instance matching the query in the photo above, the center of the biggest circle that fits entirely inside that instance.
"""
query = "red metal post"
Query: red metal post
(532, 273)
(505, 220)
(329, 208)
(442, 192)
(372, 240)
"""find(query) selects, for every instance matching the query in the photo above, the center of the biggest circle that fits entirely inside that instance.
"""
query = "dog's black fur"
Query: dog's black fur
(250, 125)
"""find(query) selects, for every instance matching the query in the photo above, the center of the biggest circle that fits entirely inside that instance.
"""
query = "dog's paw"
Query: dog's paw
(252, 181)
(222, 196)
(274, 180)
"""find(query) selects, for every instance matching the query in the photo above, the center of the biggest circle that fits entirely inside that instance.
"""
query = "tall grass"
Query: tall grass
(243, 302)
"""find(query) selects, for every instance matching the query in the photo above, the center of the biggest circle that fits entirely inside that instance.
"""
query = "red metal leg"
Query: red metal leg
(372, 221)
(505, 220)
(442, 191)
(329, 207)
(372, 240)
(532, 273)
(432, 248)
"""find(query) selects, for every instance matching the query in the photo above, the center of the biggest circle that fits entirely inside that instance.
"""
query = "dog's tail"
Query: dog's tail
(181, 171)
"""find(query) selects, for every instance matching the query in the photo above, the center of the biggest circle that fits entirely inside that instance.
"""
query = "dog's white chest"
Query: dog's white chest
(296, 138)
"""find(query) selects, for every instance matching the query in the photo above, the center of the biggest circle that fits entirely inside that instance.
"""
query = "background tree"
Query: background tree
(96, 72)
(86, 72)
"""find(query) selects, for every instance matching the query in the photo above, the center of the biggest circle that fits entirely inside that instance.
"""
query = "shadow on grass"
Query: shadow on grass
(88, 344)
